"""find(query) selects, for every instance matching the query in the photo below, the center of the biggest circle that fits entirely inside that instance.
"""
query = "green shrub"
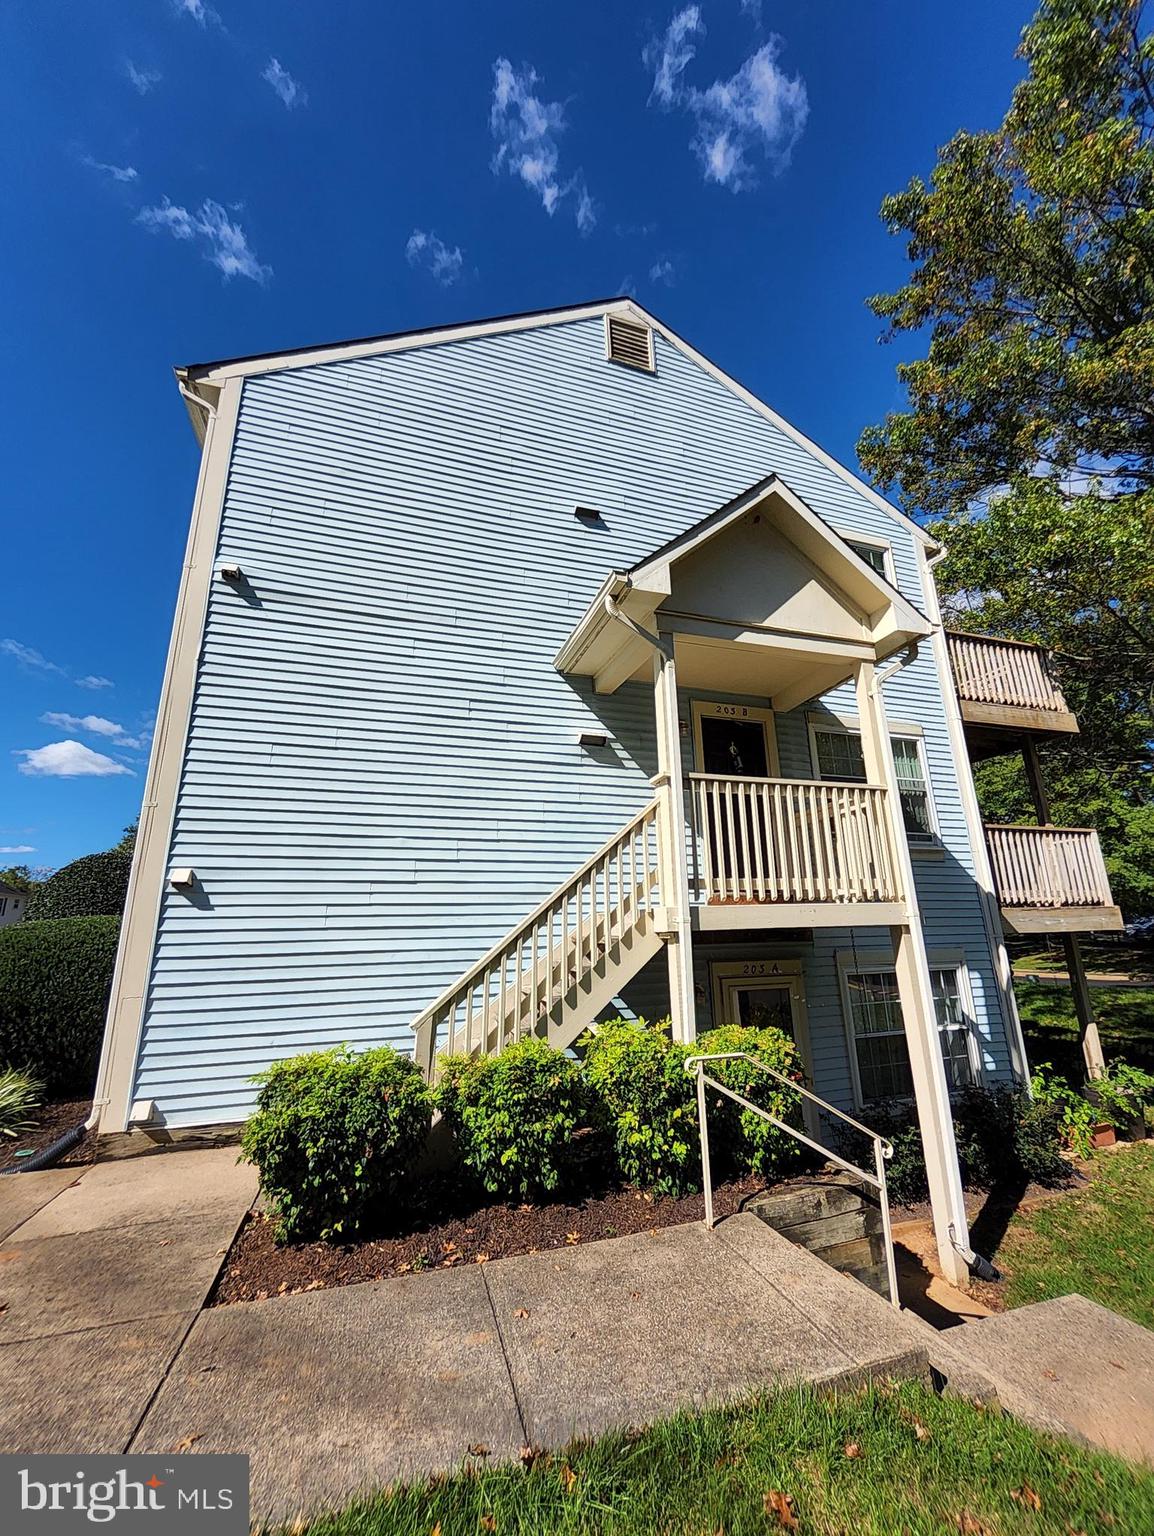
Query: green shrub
(1074, 1113)
(94, 886)
(334, 1137)
(522, 1119)
(1003, 1136)
(1121, 1094)
(20, 1094)
(55, 978)
(746, 1141)
(638, 1074)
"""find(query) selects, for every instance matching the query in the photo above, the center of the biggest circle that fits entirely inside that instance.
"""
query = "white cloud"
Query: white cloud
(142, 79)
(752, 9)
(668, 56)
(290, 91)
(94, 682)
(663, 271)
(526, 130)
(202, 14)
(27, 657)
(68, 760)
(223, 240)
(117, 172)
(17, 848)
(425, 248)
(95, 725)
(759, 113)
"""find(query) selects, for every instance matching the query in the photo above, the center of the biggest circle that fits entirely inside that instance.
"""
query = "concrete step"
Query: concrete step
(1070, 1367)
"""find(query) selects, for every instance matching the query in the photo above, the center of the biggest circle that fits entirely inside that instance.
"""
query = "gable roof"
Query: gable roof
(597, 646)
(201, 381)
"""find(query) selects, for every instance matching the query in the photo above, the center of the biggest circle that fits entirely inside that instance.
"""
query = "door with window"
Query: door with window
(764, 994)
(733, 741)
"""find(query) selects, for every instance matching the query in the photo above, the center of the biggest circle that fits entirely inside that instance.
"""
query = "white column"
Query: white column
(911, 964)
(670, 786)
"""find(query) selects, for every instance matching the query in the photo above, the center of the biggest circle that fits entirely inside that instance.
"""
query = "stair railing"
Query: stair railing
(513, 986)
(883, 1150)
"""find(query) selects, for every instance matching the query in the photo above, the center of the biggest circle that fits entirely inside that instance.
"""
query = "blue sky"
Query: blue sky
(185, 181)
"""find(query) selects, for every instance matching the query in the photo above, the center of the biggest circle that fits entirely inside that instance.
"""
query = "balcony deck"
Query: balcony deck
(1052, 880)
(772, 853)
(1005, 687)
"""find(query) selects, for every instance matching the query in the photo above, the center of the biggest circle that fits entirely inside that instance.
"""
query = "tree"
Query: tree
(94, 886)
(1029, 437)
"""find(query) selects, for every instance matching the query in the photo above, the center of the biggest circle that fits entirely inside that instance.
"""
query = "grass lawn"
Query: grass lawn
(1125, 1022)
(1099, 1240)
(875, 1463)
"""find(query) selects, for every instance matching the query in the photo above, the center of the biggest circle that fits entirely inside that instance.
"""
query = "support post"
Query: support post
(670, 785)
(1079, 987)
(919, 1016)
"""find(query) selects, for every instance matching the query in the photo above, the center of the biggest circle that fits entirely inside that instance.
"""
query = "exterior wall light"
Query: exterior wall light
(592, 739)
(182, 879)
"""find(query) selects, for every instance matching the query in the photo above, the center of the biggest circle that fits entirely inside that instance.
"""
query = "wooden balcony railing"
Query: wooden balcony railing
(792, 840)
(1048, 867)
(1003, 672)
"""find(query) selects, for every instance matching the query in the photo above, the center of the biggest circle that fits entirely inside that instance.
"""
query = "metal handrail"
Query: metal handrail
(883, 1150)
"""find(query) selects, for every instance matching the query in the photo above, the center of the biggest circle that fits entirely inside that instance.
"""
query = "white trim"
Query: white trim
(882, 958)
(852, 723)
(734, 709)
(979, 850)
(121, 1049)
(308, 357)
(815, 723)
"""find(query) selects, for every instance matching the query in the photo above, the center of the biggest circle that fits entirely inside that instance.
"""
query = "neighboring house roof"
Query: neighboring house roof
(11, 890)
(200, 382)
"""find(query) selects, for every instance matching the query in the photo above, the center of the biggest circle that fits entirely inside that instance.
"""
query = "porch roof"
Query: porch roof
(761, 596)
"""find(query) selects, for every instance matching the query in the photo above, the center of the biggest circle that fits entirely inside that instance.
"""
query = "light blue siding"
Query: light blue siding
(382, 774)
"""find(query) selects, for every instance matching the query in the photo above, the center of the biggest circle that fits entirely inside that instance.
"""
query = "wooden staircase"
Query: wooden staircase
(558, 969)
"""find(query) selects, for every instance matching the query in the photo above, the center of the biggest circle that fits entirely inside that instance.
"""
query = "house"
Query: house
(533, 670)
(12, 903)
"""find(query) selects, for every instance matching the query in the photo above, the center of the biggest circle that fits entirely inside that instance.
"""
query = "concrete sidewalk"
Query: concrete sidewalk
(105, 1344)
(103, 1270)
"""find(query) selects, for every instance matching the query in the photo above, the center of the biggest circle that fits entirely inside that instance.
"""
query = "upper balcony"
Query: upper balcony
(1006, 688)
(1052, 880)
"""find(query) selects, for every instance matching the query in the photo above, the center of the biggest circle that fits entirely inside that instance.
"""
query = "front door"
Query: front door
(734, 741)
(763, 994)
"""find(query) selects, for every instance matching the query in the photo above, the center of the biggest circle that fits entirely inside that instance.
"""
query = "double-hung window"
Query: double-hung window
(878, 1034)
(839, 757)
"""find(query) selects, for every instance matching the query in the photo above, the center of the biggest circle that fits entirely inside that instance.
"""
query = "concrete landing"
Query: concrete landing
(1071, 1367)
(335, 1390)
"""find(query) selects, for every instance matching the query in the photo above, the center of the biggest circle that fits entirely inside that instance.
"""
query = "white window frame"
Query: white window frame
(734, 709)
(851, 964)
(832, 725)
(858, 542)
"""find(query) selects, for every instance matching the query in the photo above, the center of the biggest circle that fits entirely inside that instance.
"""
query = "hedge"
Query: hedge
(55, 978)
(335, 1136)
(94, 886)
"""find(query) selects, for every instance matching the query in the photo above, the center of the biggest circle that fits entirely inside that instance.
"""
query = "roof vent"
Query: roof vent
(629, 342)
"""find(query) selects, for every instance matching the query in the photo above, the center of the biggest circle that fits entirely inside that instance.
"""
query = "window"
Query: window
(878, 1032)
(873, 555)
(3, 905)
(839, 756)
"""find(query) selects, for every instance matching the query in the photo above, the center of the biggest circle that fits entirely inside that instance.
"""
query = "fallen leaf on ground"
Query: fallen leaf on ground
(1050, 1375)
(530, 1454)
(187, 1443)
(1027, 1496)
(521, 1312)
(1117, 1364)
(572, 1237)
(853, 1450)
(478, 1450)
(436, 1531)
(920, 1430)
(779, 1507)
(480, 1258)
(488, 1523)
(969, 1526)
(568, 1477)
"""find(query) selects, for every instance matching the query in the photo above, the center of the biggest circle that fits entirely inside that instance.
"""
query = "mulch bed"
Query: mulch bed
(453, 1231)
(52, 1122)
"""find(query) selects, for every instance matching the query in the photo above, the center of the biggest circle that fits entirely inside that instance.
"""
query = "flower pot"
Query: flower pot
(1103, 1134)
